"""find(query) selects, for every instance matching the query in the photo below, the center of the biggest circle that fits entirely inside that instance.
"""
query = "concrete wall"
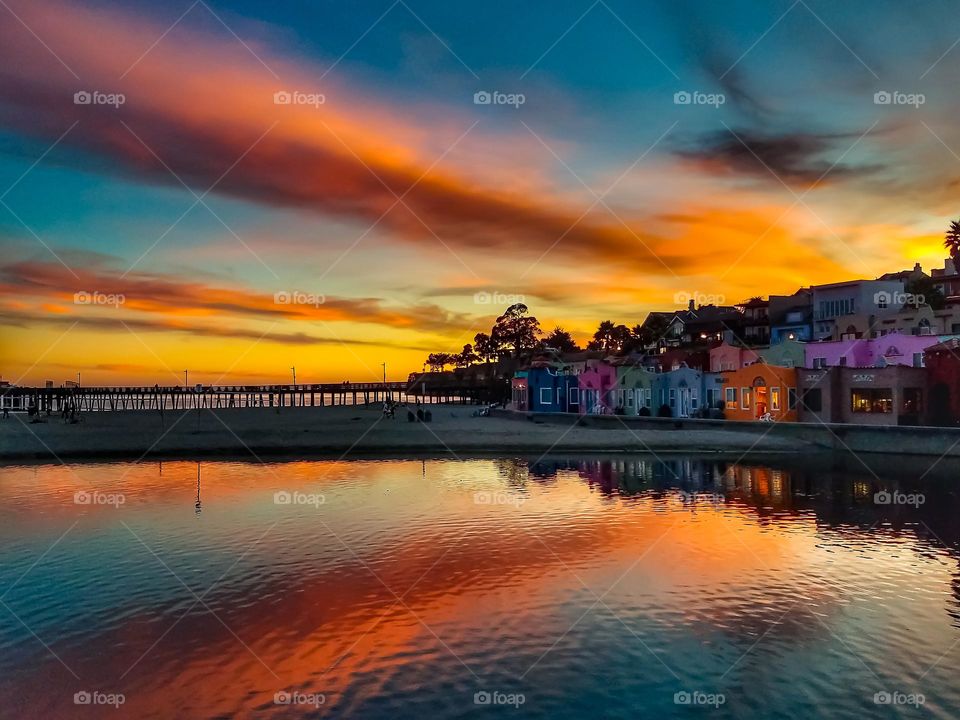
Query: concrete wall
(899, 440)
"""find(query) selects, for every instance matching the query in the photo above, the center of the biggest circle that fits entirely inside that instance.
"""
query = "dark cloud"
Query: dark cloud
(794, 157)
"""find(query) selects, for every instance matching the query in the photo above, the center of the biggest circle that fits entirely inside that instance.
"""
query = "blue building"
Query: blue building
(686, 391)
(552, 389)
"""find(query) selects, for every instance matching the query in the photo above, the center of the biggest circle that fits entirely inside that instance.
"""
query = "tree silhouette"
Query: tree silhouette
(516, 330)
(560, 339)
(952, 241)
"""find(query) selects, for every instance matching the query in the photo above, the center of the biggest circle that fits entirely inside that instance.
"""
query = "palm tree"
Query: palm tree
(952, 241)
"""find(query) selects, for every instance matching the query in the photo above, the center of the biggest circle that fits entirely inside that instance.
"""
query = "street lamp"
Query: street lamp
(186, 380)
(294, 369)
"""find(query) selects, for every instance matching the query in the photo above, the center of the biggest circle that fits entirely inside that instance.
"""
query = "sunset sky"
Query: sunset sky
(391, 211)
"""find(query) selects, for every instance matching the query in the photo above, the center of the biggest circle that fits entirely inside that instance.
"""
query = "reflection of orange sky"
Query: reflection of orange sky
(458, 566)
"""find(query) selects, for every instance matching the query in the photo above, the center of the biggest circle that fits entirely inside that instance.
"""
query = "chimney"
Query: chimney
(690, 306)
(917, 268)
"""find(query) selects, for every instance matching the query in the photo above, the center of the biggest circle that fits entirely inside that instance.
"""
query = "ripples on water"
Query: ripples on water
(402, 588)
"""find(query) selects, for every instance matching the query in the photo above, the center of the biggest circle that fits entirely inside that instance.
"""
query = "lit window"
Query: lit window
(871, 400)
(745, 398)
(731, 398)
(774, 398)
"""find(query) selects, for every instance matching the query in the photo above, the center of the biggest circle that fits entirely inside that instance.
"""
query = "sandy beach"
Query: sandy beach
(344, 430)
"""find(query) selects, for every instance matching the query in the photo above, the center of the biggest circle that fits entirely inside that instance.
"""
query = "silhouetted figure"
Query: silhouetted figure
(419, 415)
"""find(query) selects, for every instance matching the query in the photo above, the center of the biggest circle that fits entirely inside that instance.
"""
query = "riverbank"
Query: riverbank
(349, 431)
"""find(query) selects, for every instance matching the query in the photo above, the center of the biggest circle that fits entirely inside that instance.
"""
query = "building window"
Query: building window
(731, 399)
(673, 397)
(819, 363)
(918, 360)
(774, 398)
(745, 398)
(843, 361)
(871, 400)
(546, 397)
(912, 401)
(813, 399)
(574, 396)
(791, 398)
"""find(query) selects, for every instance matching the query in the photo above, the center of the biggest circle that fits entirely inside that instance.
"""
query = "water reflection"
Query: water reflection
(782, 583)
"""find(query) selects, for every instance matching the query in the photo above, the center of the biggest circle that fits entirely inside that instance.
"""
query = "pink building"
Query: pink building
(597, 385)
(726, 357)
(891, 349)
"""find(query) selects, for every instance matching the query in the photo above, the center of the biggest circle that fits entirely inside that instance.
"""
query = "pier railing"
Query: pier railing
(178, 397)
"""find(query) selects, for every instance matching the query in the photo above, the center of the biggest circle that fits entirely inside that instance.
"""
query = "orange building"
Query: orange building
(760, 392)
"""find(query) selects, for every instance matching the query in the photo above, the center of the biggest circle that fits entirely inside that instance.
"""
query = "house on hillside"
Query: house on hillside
(848, 310)
(755, 321)
(791, 316)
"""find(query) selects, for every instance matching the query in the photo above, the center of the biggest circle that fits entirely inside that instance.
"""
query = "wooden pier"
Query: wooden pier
(100, 399)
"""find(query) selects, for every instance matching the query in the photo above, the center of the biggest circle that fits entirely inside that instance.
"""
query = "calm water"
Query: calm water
(401, 589)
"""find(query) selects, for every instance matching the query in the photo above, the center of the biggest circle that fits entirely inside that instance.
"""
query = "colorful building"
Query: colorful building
(786, 353)
(760, 392)
(685, 391)
(552, 388)
(892, 349)
(725, 357)
(634, 390)
(518, 391)
(943, 376)
(596, 385)
(892, 395)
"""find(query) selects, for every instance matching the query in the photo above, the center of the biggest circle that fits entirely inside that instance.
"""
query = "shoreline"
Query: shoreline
(350, 431)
